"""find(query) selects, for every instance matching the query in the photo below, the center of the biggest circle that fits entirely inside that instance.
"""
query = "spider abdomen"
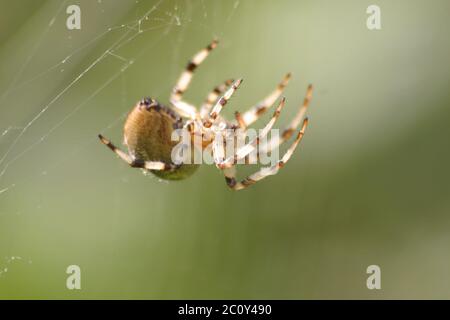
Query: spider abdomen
(148, 136)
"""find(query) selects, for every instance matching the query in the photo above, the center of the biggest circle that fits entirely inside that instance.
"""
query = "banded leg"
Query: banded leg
(240, 121)
(136, 163)
(185, 79)
(220, 104)
(213, 96)
(260, 108)
(290, 129)
(185, 109)
(230, 176)
(252, 145)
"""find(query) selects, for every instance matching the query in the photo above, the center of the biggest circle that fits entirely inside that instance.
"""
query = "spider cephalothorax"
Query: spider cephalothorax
(149, 128)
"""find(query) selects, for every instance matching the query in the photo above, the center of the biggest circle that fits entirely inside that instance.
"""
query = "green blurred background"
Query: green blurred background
(369, 184)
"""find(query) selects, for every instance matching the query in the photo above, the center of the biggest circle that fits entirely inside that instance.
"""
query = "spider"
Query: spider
(149, 126)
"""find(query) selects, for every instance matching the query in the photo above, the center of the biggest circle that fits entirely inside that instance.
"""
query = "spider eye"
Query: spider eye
(146, 101)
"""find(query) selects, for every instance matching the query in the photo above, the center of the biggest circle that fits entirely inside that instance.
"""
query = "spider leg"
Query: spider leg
(136, 163)
(260, 108)
(240, 120)
(290, 129)
(213, 96)
(185, 109)
(252, 145)
(230, 173)
(185, 79)
(220, 104)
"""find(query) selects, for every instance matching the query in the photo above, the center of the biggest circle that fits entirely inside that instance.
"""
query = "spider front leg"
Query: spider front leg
(290, 129)
(230, 172)
(184, 80)
(211, 118)
(137, 163)
(213, 96)
(245, 150)
(250, 116)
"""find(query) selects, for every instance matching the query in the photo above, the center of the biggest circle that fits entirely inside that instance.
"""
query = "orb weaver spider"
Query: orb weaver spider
(149, 126)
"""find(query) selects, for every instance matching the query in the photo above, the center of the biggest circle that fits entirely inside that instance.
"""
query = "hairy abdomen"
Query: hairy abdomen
(147, 134)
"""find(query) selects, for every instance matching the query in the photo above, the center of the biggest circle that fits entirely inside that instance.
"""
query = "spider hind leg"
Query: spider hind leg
(137, 163)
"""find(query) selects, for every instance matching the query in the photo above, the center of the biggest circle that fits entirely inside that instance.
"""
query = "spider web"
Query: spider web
(113, 47)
